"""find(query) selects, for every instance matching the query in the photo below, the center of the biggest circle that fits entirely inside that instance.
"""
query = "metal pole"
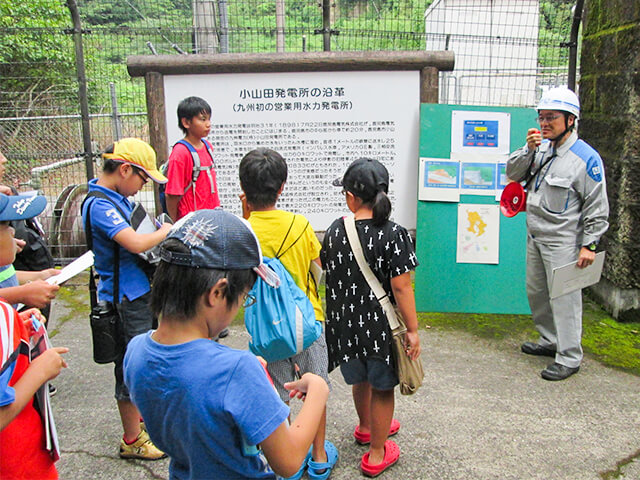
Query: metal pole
(573, 45)
(224, 26)
(326, 25)
(280, 25)
(115, 118)
(82, 87)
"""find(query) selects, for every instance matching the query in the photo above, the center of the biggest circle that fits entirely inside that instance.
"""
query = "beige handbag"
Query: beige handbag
(410, 372)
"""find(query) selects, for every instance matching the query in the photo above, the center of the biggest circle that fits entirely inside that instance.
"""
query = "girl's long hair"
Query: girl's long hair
(381, 206)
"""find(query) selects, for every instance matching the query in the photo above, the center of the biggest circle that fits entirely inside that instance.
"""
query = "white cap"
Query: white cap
(561, 99)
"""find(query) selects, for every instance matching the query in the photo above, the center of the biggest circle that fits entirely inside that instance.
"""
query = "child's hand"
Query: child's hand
(49, 272)
(165, 227)
(299, 388)
(26, 318)
(38, 293)
(412, 345)
(50, 362)
(20, 244)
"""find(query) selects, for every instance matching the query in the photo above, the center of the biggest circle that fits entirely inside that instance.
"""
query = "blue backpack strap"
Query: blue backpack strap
(210, 151)
(210, 167)
(197, 167)
(195, 172)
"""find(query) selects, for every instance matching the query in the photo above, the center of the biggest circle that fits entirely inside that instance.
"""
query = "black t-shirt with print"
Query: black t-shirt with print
(356, 325)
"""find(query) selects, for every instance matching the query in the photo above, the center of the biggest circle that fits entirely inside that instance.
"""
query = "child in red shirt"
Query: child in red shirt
(182, 194)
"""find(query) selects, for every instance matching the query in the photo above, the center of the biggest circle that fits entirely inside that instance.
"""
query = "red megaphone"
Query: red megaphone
(513, 199)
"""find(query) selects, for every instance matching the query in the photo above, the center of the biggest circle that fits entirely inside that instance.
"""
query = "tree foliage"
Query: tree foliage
(118, 13)
(35, 53)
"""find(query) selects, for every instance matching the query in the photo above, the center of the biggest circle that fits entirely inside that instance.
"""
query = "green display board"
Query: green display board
(442, 285)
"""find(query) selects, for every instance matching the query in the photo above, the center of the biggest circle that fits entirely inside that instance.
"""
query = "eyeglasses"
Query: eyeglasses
(547, 118)
(138, 172)
(248, 300)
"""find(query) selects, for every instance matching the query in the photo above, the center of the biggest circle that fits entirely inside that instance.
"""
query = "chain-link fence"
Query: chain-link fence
(507, 51)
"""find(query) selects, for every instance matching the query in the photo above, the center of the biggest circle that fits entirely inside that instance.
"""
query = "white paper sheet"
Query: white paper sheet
(569, 278)
(80, 264)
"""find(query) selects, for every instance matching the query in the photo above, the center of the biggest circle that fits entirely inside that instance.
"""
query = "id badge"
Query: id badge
(533, 199)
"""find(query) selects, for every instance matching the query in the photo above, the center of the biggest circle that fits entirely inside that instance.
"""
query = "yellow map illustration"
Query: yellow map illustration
(478, 233)
(476, 224)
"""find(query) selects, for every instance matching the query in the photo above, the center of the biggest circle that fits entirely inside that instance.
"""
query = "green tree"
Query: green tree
(35, 53)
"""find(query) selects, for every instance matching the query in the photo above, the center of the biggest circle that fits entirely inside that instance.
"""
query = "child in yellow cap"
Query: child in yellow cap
(128, 165)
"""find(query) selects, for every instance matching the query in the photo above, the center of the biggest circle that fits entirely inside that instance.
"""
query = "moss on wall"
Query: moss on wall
(610, 97)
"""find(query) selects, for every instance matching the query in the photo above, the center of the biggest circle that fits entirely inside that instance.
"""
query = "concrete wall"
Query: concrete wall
(610, 97)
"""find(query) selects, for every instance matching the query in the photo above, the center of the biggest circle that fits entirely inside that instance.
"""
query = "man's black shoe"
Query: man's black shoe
(556, 371)
(224, 333)
(532, 348)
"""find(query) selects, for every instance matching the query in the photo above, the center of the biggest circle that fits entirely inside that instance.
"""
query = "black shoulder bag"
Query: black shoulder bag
(106, 329)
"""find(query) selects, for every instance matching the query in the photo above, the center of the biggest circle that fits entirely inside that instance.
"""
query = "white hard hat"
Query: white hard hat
(561, 99)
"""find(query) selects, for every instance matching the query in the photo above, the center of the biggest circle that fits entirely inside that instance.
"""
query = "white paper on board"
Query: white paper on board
(569, 278)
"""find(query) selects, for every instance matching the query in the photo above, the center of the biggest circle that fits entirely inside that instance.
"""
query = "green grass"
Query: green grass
(603, 338)
(610, 342)
(76, 299)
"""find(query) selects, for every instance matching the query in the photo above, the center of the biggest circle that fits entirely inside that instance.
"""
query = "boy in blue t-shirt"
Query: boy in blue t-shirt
(210, 407)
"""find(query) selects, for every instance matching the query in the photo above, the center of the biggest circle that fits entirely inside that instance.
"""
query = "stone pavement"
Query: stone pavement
(484, 413)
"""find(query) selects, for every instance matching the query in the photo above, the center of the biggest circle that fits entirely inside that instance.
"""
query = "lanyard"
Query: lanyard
(536, 175)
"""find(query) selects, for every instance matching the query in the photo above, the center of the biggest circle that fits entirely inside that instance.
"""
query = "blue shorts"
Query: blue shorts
(135, 318)
(380, 375)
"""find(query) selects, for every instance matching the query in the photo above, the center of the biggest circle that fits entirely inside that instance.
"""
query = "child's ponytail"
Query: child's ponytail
(381, 206)
(368, 180)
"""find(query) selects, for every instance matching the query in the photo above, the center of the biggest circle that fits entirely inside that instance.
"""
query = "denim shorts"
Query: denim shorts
(380, 375)
(135, 318)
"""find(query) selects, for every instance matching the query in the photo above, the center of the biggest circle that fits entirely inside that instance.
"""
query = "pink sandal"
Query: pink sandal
(391, 456)
(365, 438)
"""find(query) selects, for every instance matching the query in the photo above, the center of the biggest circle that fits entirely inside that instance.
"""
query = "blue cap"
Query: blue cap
(220, 240)
(21, 207)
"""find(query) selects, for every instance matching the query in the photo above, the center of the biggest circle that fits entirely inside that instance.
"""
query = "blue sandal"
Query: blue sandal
(299, 473)
(332, 458)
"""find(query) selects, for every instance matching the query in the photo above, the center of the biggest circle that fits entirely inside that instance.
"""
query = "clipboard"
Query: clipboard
(569, 278)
